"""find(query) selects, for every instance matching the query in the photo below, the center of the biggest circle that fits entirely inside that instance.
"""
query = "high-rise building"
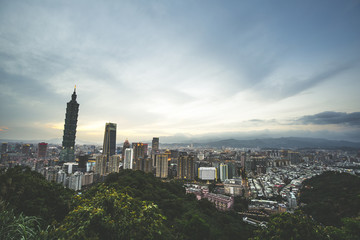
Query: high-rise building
(75, 181)
(125, 146)
(100, 165)
(42, 148)
(185, 167)
(147, 165)
(61, 177)
(68, 144)
(155, 145)
(140, 150)
(4, 147)
(26, 149)
(109, 140)
(114, 162)
(224, 172)
(162, 165)
(128, 158)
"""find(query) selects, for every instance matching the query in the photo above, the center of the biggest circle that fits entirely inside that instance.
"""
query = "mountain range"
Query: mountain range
(276, 143)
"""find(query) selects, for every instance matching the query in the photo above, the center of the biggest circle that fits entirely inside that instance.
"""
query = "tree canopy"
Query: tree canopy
(331, 196)
(28, 192)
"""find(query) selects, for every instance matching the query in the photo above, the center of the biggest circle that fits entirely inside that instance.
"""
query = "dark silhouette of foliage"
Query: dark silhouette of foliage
(331, 196)
(113, 215)
(186, 217)
(29, 193)
(13, 226)
(285, 226)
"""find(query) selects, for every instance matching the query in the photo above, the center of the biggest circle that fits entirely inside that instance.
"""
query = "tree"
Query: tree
(113, 215)
(29, 193)
(331, 196)
(295, 226)
(14, 226)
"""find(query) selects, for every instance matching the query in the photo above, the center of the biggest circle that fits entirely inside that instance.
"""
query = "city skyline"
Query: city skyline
(181, 70)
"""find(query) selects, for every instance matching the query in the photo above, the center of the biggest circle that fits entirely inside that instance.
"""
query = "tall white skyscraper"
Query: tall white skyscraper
(224, 172)
(128, 158)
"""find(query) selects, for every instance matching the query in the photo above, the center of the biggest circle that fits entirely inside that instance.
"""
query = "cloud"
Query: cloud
(350, 119)
(3, 129)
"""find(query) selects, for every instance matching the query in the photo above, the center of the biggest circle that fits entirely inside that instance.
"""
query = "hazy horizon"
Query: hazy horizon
(181, 69)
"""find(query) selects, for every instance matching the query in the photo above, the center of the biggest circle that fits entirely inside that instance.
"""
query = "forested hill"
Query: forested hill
(128, 205)
(136, 205)
(331, 196)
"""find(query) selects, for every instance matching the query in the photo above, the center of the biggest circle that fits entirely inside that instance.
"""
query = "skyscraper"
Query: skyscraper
(68, 145)
(155, 145)
(224, 171)
(109, 140)
(128, 159)
(125, 146)
(162, 165)
(42, 148)
(4, 147)
(185, 167)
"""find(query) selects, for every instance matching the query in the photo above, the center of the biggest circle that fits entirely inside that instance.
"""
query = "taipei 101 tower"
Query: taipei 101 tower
(68, 144)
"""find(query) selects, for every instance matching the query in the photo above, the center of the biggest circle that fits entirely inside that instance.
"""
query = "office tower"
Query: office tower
(128, 158)
(155, 145)
(42, 147)
(100, 165)
(145, 149)
(185, 168)
(125, 146)
(4, 147)
(87, 179)
(114, 162)
(75, 181)
(26, 149)
(61, 177)
(147, 165)
(68, 144)
(83, 160)
(224, 172)
(162, 165)
(231, 170)
(109, 140)
(140, 150)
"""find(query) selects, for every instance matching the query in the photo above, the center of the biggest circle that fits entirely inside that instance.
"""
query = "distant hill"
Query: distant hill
(51, 141)
(288, 142)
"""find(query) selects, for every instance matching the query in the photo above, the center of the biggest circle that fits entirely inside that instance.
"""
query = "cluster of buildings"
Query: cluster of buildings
(272, 178)
(221, 202)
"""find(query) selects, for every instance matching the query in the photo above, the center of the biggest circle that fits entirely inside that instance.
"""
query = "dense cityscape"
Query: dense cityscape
(269, 178)
(184, 120)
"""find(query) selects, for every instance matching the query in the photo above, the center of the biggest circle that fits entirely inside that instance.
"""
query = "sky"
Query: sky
(181, 69)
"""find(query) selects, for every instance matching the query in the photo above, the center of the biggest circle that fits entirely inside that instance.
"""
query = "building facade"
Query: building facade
(109, 145)
(128, 158)
(185, 167)
(155, 145)
(68, 143)
(162, 167)
(42, 149)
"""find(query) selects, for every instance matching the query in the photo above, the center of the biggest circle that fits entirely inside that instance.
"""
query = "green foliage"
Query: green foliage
(349, 231)
(113, 215)
(186, 217)
(240, 204)
(29, 193)
(287, 226)
(18, 227)
(331, 196)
